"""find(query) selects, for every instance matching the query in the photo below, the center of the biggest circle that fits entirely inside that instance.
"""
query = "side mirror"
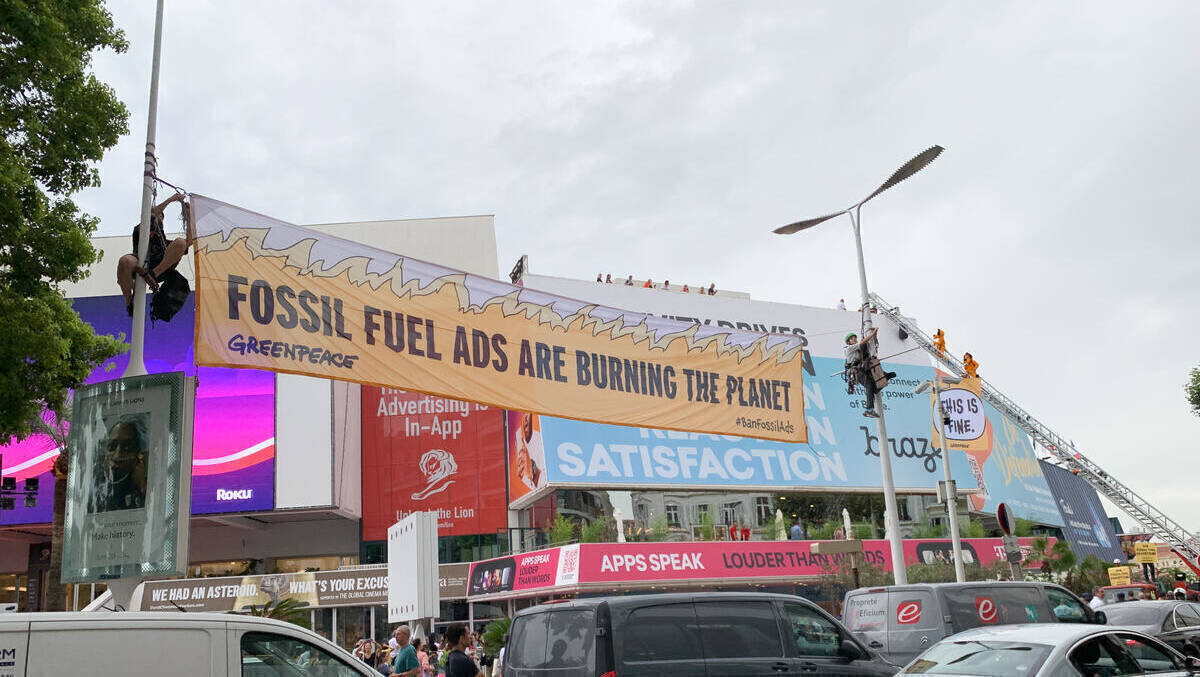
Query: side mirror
(850, 650)
(1101, 618)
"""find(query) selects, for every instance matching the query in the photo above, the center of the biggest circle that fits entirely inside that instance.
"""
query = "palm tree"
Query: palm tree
(58, 432)
(286, 609)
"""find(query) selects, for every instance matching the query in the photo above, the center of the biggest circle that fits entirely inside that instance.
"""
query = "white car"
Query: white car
(167, 643)
(1051, 650)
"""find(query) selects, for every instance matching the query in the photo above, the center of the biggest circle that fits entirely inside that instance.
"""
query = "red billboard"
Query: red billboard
(427, 453)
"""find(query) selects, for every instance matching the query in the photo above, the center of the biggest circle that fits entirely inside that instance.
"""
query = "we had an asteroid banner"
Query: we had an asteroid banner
(275, 296)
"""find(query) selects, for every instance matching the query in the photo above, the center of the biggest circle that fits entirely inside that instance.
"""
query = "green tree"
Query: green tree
(493, 635)
(1192, 387)
(660, 529)
(974, 529)
(594, 531)
(561, 530)
(708, 530)
(58, 121)
(287, 609)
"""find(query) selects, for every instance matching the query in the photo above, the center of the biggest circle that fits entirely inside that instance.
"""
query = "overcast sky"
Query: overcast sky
(1054, 238)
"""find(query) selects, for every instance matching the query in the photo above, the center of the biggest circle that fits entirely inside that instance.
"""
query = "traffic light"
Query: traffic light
(939, 341)
(970, 366)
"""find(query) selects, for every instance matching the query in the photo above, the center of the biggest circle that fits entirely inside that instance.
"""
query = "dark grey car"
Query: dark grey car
(1175, 622)
(685, 635)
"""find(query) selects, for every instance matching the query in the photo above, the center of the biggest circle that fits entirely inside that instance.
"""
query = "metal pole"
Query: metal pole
(137, 365)
(960, 572)
(892, 518)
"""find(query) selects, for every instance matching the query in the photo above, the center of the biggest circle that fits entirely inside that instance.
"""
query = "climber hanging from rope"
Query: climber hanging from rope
(863, 367)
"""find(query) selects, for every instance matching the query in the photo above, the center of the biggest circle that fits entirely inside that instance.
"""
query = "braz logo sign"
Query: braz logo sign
(908, 612)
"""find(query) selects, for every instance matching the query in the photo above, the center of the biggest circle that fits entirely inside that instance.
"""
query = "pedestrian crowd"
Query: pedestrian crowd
(711, 290)
(407, 656)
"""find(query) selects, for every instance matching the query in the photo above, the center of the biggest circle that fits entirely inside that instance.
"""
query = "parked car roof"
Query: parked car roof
(952, 584)
(1055, 634)
(618, 601)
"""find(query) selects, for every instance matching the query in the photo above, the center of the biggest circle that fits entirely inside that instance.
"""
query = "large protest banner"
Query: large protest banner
(275, 296)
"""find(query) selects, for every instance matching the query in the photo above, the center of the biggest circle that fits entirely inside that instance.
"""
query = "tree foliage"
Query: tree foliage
(58, 121)
(493, 635)
(1193, 390)
(286, 609)
(561, 530)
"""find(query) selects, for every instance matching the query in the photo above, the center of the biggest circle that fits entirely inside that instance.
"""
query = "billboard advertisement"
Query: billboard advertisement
(1086, 526)
(843, 447)
(422, 453)
(276, 296)
(127, 488)
(233, 468)
(609, 563)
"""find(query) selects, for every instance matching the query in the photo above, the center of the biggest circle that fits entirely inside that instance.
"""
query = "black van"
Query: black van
(685, 635)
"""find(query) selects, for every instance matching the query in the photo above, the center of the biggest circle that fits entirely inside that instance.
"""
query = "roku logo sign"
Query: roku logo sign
(986, 609)
(908, 612)
(234, 494)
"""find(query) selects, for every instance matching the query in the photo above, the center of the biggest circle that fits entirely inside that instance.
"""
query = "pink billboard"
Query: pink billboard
(527, 571)
(603, 563)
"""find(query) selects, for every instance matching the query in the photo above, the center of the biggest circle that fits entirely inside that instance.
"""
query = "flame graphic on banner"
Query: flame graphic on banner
(327, 256)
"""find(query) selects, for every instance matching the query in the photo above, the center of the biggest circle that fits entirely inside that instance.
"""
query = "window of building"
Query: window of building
(729, 513)
(762, 510)
(673, 515)
(701, 511)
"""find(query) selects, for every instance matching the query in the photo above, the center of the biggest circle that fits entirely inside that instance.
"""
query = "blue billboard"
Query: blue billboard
(842, 451)
(1086, 526)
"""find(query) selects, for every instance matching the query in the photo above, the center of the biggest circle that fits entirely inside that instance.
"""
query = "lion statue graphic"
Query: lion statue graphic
(437, 465)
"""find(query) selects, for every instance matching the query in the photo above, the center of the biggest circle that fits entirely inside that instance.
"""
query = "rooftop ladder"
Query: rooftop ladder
(1062, 452)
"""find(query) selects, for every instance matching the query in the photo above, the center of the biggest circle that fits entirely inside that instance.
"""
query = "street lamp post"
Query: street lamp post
(885, 461)
(950, 491)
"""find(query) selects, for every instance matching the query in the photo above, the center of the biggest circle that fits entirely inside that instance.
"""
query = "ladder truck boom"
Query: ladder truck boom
(1061, 451)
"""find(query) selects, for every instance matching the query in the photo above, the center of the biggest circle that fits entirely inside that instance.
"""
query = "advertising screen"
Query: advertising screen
(663, 562)
(843, 446)
(427, 453)
(130, 454)
(233, 447)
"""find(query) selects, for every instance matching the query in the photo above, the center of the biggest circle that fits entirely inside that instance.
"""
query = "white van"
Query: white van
(166, 643)
(901, 621)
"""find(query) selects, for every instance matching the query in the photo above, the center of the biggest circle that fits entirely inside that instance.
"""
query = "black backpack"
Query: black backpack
(173, 290)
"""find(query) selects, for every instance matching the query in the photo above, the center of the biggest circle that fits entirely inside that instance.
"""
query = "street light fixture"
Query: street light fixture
(950, 491)
(885, 462)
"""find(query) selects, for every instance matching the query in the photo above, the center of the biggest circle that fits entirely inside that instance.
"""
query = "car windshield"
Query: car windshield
(1120, 614)
(989, 659)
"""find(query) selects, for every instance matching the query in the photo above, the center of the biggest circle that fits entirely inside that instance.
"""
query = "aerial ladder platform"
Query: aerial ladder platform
(1061, 451)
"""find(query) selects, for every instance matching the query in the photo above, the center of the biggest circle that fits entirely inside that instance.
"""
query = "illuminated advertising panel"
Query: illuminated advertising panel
(233, 468)
(431, 454)
(127, 495)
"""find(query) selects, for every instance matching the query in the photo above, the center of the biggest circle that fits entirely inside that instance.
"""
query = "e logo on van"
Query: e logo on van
(986, 609)
(908, 612)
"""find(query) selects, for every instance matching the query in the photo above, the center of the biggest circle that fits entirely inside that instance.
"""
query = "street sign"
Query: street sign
(1008, 522)
(1012, 549)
